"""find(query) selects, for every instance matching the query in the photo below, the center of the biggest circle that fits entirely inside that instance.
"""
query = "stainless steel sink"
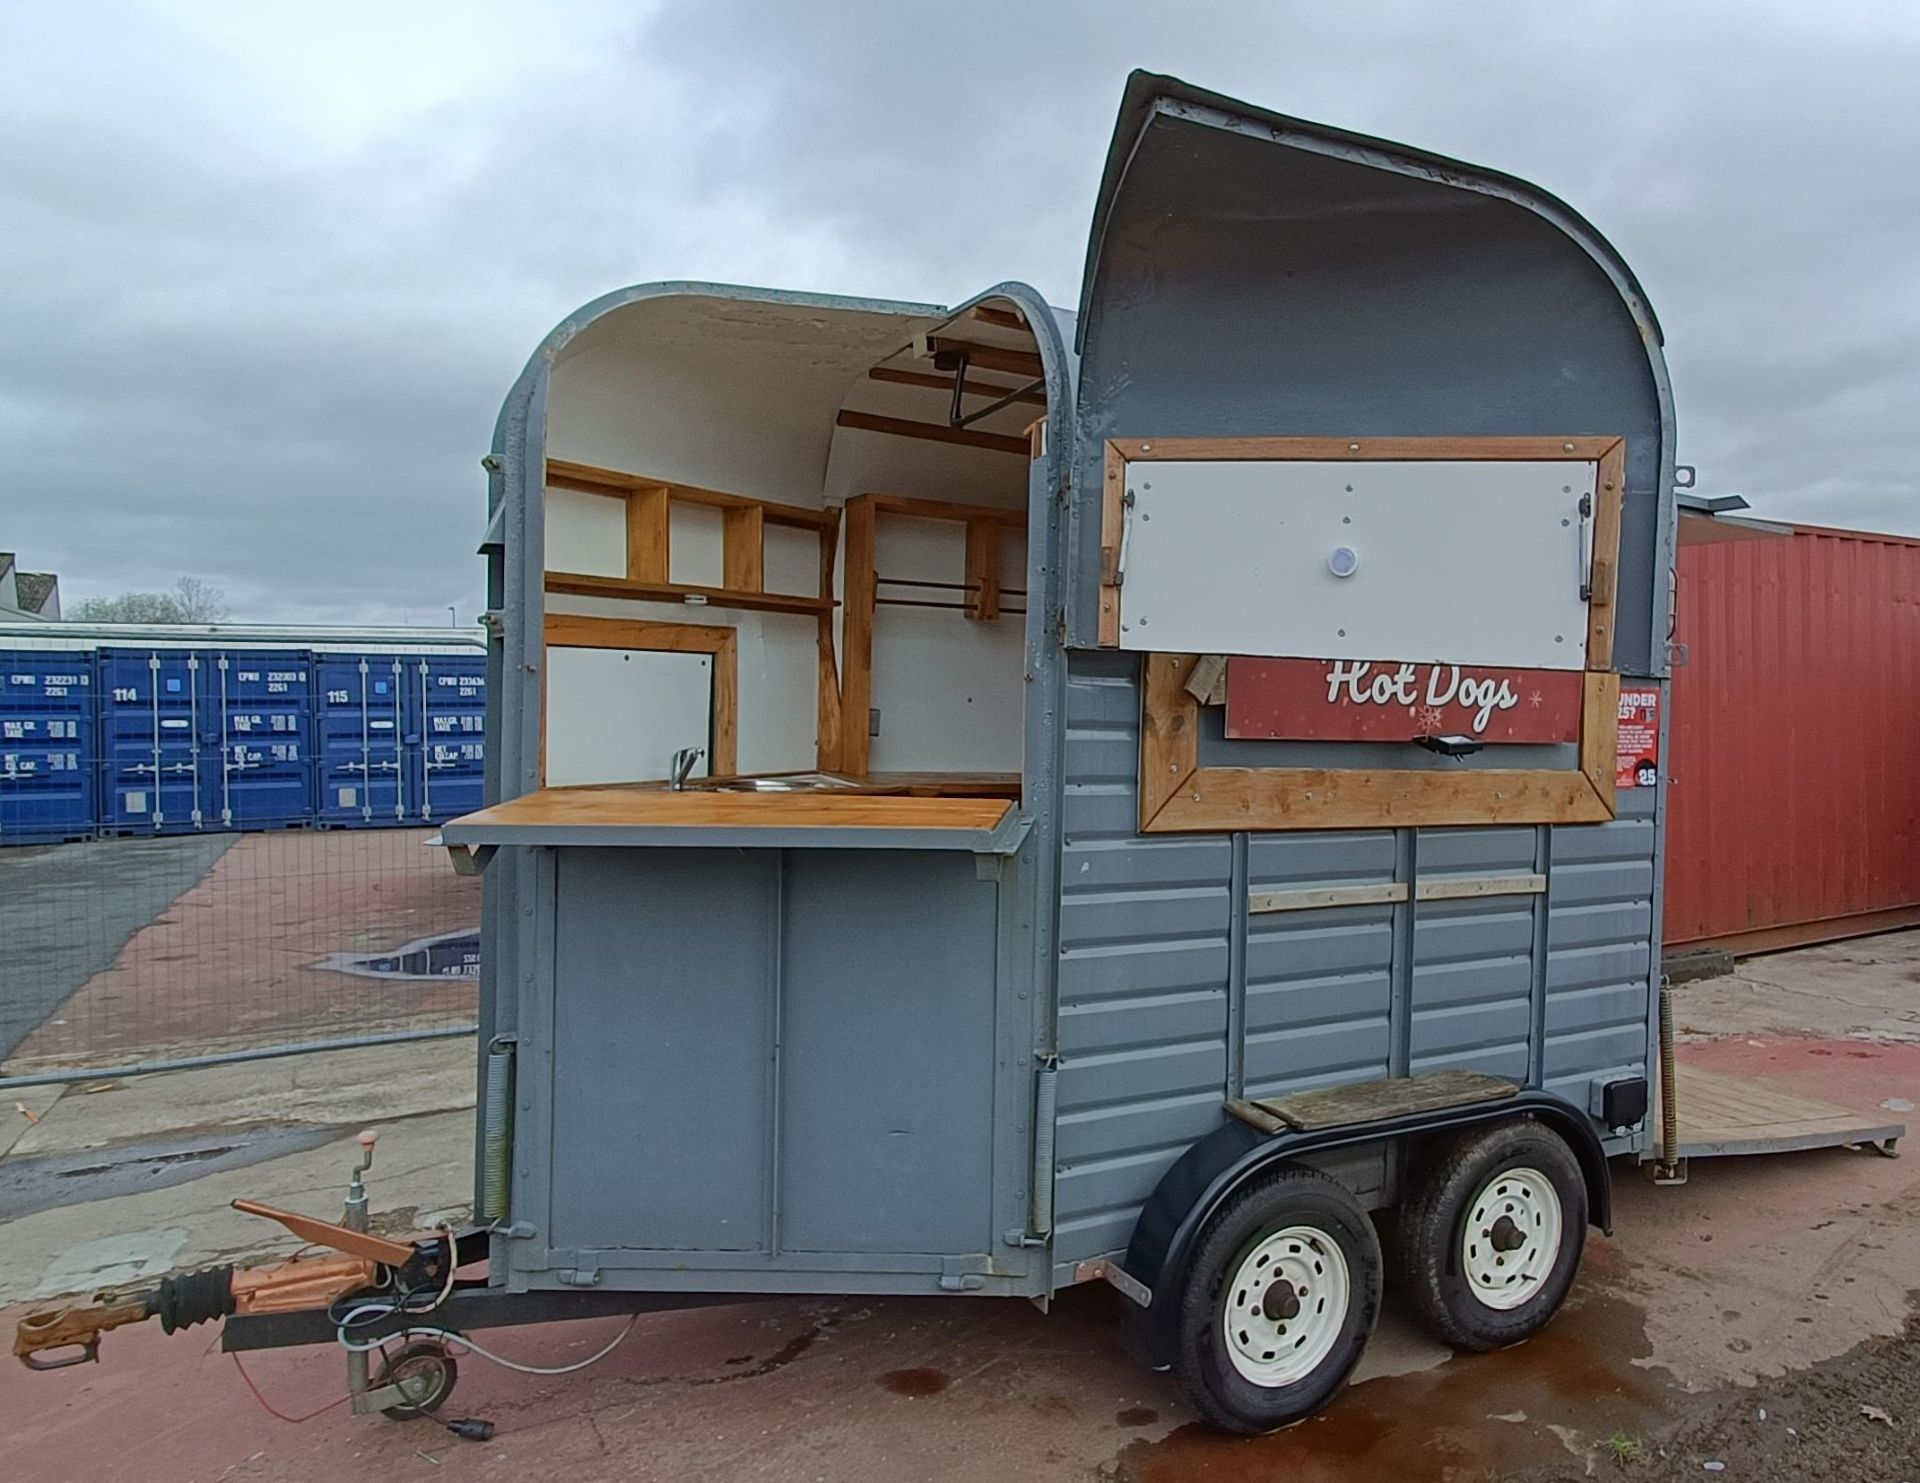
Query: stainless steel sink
(793, 782)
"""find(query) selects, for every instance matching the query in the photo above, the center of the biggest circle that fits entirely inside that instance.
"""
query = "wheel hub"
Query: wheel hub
(1281, 1301)
(1505, 1235)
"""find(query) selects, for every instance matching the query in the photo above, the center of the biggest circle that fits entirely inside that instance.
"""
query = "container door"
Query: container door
(46, 746)
(150, 747)
(256, 724)
(448, 773)
(360, 716)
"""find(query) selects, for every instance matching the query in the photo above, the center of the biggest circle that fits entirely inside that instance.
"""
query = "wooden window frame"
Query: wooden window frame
(565, 631)
(1178, 795)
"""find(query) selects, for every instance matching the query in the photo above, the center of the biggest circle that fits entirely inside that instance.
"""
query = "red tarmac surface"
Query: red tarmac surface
(900, 1389)
(240, 957)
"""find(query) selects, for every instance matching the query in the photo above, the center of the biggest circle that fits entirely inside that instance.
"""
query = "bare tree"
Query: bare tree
(191, 601)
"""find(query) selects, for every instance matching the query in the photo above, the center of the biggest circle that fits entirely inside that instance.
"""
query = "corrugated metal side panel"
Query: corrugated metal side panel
(1319, 983)
(46, 746)
(1144, 927)
(1599, 947)
(1795, 747)
(1472, 991)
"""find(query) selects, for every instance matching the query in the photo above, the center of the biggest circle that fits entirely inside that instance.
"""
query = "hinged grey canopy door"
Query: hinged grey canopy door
(1254, 275)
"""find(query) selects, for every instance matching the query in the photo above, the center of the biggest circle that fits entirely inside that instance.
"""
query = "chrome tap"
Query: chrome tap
(682, 766)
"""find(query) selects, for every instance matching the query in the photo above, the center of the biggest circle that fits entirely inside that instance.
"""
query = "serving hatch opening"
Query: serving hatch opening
(790, 534)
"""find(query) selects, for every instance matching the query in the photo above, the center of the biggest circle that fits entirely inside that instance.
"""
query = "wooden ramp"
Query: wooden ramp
(1726, 1115)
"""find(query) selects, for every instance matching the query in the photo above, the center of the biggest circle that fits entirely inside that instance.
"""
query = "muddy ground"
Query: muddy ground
(1851, 1420)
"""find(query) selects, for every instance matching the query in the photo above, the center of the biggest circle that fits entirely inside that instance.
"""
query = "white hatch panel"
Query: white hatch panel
(619, 715)
(1452, 561)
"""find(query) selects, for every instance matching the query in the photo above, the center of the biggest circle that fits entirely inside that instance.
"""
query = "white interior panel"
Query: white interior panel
(586, 533)
(1457, 561)
(619, 715)
(694, 551)
(949, 690)
(792, 561)
(779, 674)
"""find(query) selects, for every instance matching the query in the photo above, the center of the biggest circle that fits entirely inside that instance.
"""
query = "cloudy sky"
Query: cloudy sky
(266, 271)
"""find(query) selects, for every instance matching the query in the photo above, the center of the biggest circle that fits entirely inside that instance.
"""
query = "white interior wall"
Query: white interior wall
(586, 533)
(792, 561)
(695, 555)
(949, 689)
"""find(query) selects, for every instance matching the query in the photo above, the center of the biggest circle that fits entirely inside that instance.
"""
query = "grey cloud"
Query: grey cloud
(271, 359)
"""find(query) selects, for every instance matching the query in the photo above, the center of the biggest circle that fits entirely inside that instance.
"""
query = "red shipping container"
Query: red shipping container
(1793, 812)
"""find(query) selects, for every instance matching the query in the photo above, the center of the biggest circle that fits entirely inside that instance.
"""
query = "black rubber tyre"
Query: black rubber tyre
(425, 1370)
(1216, 1274)
(1429, 1236)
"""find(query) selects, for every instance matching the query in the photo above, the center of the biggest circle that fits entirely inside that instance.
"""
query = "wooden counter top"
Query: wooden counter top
(828, 809)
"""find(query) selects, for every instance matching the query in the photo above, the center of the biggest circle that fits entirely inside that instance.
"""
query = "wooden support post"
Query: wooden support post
(827, 735)
(983, 569)
(647, 534)
(856, 686)
(743, 549)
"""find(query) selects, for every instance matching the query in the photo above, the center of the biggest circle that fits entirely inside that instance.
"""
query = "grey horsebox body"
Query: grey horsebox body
(990, 798)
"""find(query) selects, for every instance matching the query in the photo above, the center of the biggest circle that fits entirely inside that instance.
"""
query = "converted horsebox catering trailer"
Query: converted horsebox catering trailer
(988, 798)
(994, 797)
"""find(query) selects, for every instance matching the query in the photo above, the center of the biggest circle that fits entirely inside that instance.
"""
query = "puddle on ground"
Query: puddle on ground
(448, 955)
(1137, 1416)
(1477, 1416)
(916, 1382)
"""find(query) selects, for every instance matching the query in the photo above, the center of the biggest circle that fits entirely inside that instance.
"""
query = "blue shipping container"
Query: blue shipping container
(256, 718)
(448, 768)
(360, 722)
(150, 762)
(46, 746)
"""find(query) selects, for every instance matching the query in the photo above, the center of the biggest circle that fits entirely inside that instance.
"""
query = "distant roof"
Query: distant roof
(34, 589)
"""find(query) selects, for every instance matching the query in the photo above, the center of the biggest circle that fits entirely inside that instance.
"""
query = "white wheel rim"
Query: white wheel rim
(1511, 1238)
(1285, 1304)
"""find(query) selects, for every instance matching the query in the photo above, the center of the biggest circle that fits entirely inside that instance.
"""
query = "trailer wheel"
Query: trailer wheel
(1489, 1242)
(1280, 1298)
(425, 1373)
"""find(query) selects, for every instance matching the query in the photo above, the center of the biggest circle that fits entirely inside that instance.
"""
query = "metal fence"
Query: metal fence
(134, 954)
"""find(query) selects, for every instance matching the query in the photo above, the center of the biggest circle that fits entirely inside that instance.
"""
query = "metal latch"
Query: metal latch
(965, 1273)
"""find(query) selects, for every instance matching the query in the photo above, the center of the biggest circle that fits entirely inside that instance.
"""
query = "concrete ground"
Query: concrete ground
(1758, 1267)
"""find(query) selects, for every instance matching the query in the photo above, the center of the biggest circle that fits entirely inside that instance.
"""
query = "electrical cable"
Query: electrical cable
(273, 1410)
(448, 1336)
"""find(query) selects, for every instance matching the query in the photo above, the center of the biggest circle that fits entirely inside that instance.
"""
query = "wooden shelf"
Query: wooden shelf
(590, 479)
(580, 584)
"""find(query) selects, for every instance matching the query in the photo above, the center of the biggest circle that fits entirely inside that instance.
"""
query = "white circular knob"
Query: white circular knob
(1343, 561)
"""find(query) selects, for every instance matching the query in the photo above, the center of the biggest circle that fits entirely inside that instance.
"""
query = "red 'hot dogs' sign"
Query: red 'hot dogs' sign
(1387, 700)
